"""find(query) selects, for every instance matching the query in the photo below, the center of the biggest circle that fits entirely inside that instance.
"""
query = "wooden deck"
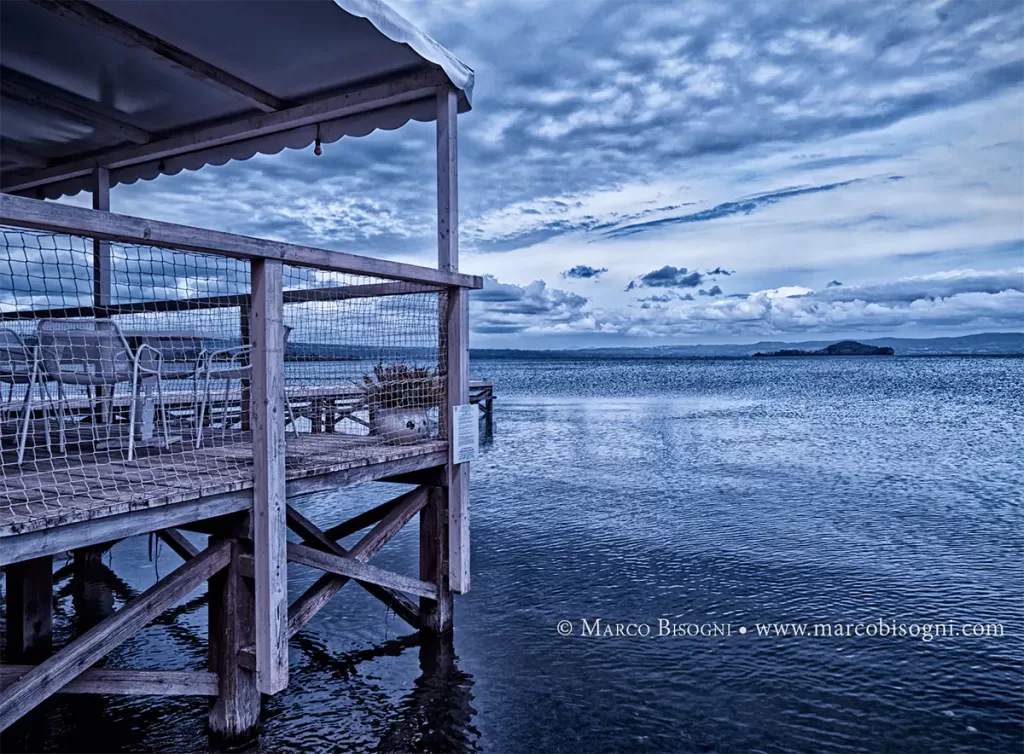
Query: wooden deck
(56, 499)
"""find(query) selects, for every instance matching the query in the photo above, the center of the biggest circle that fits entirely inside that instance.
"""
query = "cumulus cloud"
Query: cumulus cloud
(671, 277)
(713, 291)
(947, 299)
(584, 272)
(506, 308)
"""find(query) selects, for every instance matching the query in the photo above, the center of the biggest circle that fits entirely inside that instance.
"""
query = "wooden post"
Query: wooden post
(30, 609)
(435, 615)
(246, 389)
(235, 713)
(268, 446)
(457, 329)
(92, 597)
(102, 272)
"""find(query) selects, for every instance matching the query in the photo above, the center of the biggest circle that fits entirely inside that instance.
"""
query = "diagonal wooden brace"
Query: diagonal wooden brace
(58, 671)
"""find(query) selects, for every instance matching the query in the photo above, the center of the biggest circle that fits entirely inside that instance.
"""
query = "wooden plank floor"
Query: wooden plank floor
(54, 491)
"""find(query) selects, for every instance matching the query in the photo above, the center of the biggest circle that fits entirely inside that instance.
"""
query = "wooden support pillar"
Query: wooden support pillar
(456, 326)
(102, 270)
(29, 609)
(235, 714)
(246, 388)
(91, 595)
(435, 615)
(268, 444)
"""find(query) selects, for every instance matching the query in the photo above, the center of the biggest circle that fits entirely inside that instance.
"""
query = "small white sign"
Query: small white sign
(465, 433)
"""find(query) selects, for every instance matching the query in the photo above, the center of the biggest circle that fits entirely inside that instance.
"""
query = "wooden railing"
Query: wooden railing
(263, 308)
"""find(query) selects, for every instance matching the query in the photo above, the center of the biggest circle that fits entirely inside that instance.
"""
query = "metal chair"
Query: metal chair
(228, 364)
(16, 368)
(95, 354)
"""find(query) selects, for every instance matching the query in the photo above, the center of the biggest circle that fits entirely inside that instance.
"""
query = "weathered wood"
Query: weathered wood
(50, 541)
(132, 36)
(354, 569)
(30, 609)
(179, 543)
(456, 328)
(26, 158)
(435, 615)
(116, 500)
(327, 110)
(435, 476)
(110, 226)
(102, 268)
(362, 520)
(226, 301)
(56, 672)
(312, 535)
(235, 715)
(127, 682)
(320, 593)
(266, 332)
(17, 86)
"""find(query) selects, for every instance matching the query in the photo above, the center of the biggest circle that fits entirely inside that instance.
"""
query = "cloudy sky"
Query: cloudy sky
(687, 172)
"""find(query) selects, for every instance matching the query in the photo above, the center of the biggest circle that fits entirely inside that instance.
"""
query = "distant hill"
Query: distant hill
(842, 348)
(983, 344)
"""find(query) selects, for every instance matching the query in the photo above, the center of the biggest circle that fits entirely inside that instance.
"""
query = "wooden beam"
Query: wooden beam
(326, 111)
(132, 36)
(235, 715)
(30, 608)
(29, 159)
(457, 330)
(362, 520)
(177, 542)
(98, 531)
(127, 682)
(17, 86)
(402, 606)
(61, 218)
(228, 301)
(266, 333)
(56, 672)
(354, 569)
(436, 615)
(320, 593)
(102, 265)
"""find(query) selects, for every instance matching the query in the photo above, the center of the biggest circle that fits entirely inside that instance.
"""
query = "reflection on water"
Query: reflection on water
(727, 491)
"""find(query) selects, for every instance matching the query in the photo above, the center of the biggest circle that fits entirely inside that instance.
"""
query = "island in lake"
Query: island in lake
(842, 348)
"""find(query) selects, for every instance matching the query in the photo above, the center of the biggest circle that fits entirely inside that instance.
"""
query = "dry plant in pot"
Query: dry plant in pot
(398, 396)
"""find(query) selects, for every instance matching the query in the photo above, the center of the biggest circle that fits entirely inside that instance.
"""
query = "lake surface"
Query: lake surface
(711, 493)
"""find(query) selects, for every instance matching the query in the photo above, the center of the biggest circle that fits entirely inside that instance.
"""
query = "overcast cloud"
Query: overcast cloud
(759, 152)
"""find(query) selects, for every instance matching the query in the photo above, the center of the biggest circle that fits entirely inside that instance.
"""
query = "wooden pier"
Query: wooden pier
(97, 448)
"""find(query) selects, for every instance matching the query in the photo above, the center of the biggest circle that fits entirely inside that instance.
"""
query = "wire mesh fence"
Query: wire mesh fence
(126, 372)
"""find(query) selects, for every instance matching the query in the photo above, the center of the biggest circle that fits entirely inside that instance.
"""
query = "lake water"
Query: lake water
(720, 494)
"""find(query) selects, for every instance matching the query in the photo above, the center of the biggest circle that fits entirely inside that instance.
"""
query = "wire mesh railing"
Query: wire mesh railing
(126, 371)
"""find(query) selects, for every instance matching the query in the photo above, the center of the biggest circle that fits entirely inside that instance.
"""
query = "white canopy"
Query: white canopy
(144, 88)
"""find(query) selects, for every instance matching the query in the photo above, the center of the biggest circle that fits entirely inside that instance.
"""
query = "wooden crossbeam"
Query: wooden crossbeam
(17, 86)
(331, 109)
(29, 159)
(58, 671)
(129, 682)
(132, 36)
(364, 519)
(177, 542)
(354, 569)
(226, 301)
(402, 606)
(320, 593)
(110, 226)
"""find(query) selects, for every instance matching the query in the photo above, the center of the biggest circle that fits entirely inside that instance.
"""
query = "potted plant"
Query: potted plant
(399, 396)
